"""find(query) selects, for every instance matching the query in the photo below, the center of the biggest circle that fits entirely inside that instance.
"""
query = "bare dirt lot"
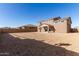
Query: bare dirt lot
(40, 44)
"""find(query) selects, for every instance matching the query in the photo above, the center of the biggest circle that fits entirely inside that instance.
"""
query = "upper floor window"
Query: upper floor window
(62, 21)
(58, 22)
(55, 22)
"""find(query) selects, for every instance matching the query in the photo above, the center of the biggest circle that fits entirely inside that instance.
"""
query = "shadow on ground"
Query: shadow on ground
(13, 46)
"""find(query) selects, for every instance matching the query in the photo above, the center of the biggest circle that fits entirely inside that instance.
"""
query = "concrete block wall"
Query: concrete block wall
(18, 30)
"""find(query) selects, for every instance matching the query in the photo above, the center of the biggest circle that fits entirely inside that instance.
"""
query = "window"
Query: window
(62, 21)
(55, 22)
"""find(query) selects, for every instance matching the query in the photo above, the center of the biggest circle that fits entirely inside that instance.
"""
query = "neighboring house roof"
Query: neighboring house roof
(29, 25)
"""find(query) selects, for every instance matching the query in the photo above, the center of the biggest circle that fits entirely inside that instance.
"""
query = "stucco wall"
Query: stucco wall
(60, 27)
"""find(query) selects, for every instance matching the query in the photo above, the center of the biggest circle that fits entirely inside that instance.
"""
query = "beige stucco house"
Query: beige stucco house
(57, 24)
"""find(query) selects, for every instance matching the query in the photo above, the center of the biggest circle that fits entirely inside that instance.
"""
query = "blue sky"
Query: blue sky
(13, 15)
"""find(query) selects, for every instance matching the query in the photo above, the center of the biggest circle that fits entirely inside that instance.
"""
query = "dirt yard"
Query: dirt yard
(40, 44)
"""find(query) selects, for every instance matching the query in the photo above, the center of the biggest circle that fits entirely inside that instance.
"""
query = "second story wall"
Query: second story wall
(60, 25)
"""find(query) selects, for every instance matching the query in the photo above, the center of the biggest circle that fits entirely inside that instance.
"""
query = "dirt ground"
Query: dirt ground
(40, 44)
